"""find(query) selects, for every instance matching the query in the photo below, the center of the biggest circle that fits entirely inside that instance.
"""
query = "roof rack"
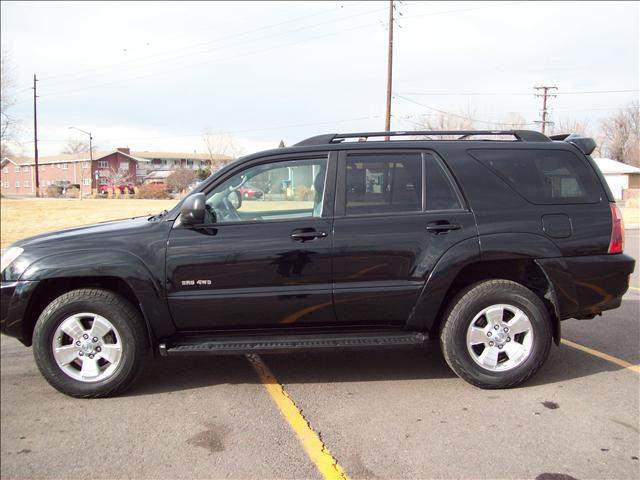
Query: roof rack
(520, 135)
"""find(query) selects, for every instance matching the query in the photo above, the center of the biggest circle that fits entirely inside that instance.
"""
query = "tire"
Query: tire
(472, 344)
(94, 323)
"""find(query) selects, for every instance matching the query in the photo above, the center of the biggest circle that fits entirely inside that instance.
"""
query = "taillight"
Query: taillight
(616, 244)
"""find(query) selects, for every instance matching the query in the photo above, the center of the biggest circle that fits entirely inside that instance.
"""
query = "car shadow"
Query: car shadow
(185, 373)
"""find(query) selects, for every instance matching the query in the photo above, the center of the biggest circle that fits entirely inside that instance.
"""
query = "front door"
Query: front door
(396, 213)
(263, 258)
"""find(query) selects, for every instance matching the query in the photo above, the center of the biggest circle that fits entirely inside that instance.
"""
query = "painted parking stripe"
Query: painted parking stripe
(319, 454)
(603, 356)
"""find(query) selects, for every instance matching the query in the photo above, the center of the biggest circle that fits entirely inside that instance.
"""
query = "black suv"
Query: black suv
(484, 240)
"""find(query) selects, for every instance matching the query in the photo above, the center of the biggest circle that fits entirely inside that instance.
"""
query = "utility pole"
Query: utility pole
(545, 95)
(387, 120)
(35, 134)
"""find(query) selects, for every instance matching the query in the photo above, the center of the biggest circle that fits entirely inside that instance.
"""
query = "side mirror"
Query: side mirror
(193, 209)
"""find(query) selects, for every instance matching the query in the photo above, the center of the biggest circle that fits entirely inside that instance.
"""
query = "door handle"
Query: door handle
(303, 236)
(442, 227)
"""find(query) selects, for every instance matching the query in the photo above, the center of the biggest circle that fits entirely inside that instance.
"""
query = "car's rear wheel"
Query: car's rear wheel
(496, 334)
(89, 343)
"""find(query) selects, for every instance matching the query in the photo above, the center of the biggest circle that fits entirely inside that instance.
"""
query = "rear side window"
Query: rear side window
(440, 192)
(544, 176)
(383, 183)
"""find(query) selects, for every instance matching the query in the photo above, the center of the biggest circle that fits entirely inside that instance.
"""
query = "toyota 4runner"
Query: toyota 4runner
(483, 240)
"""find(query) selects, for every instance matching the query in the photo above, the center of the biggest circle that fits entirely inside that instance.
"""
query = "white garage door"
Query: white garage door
(617, 183)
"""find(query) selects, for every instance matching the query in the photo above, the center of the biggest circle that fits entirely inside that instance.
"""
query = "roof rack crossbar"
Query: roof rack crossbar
(520, 135)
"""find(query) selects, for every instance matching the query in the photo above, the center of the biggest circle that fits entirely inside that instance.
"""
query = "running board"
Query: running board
(290, 343)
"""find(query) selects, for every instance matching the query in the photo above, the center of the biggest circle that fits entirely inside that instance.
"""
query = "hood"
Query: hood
(78, 235)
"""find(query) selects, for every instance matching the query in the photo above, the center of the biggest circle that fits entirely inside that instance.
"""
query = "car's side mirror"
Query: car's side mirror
(193, 209)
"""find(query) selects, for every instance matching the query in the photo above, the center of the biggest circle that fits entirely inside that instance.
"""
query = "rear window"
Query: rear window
(544, 176)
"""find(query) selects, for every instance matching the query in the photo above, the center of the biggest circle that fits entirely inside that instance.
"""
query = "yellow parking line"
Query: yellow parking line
(316, 450)
(603, 356)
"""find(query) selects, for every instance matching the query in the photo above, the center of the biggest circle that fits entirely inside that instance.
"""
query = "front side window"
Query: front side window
(284, 190)
(103, 164)
(383, 183)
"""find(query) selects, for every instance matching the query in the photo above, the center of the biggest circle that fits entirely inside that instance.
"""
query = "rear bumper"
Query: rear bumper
(586, 286)
(14, 298)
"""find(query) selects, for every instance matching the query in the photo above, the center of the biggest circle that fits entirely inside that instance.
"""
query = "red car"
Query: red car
(249, 193)
(104, 189)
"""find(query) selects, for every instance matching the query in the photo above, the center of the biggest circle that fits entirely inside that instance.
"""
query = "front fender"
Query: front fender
(113, 263)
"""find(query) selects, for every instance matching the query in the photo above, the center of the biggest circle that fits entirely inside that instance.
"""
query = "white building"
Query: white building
(619, 176)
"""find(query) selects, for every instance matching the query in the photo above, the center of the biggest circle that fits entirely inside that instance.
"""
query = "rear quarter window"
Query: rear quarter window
(544, 176)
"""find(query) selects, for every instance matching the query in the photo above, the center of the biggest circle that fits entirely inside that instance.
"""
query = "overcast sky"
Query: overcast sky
(155, 76)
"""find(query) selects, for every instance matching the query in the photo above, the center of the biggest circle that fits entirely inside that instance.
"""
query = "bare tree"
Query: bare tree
(181, 179)
(8, 124)
(621, 135)
(570, 125)
(446, 121)
(218, 144)
(119, 177)
(76, 146)
(512, 121)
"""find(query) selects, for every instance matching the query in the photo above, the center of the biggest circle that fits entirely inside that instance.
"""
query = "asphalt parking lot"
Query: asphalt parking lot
(391, 414)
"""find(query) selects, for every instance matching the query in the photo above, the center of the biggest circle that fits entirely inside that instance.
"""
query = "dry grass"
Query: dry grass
(25, 217)
(20, 218)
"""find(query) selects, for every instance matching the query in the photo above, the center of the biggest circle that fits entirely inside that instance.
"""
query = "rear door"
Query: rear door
(397, 212)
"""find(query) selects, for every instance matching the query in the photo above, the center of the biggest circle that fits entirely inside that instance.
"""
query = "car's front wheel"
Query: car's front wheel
(496, 334)
(89, 343)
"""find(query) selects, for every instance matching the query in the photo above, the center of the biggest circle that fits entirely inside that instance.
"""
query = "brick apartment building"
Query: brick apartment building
(17, 176)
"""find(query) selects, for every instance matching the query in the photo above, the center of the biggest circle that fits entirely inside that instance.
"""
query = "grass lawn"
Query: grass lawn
(20, 218)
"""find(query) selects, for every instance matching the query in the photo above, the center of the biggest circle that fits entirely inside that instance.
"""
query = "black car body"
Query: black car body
(399, 231)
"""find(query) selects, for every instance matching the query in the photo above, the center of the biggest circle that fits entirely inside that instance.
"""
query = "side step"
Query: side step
(234, 345)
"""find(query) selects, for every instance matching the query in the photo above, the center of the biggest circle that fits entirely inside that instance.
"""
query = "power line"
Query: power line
(234, 132)
(486, 122)
(220, 43)
(208, 62)
(471, 94)
(460, 10)
(199, 44)
(281, 33)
